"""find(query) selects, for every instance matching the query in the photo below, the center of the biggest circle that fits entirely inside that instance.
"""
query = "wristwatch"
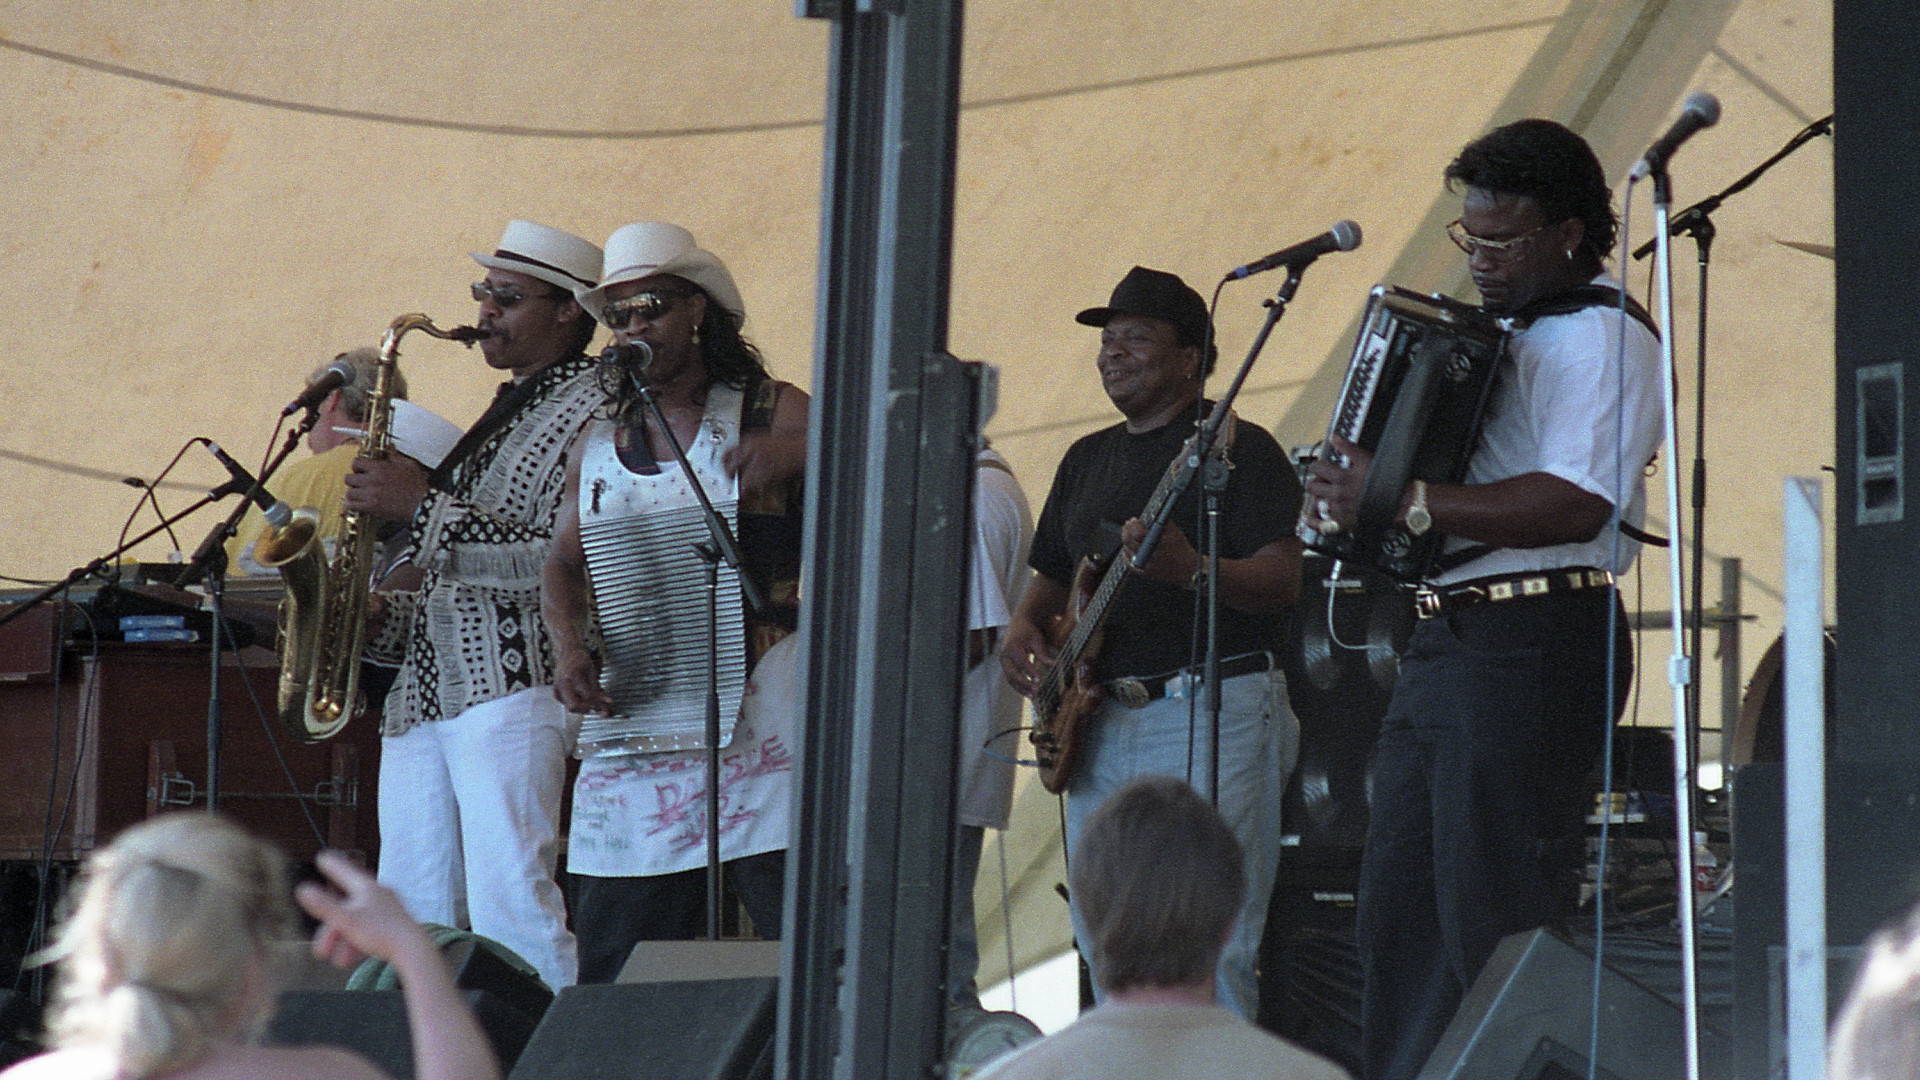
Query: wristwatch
(1198, 582)
(1419, 518)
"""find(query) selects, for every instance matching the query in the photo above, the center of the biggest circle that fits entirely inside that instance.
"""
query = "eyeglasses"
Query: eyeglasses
(647, 306)
(1498, 250)
(503, 296)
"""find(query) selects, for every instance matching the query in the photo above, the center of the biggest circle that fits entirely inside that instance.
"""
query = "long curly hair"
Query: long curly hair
(731, 359)
(1550, 164)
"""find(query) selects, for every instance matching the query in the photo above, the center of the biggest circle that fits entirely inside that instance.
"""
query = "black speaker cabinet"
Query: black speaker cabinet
(1873, 849)
(715, 1029)
(374, 1023)
(1530, 1016)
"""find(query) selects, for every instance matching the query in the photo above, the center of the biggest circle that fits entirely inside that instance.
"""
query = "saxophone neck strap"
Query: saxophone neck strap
(505, 408)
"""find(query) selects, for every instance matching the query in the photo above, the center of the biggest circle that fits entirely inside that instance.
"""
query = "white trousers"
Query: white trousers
(470, 821)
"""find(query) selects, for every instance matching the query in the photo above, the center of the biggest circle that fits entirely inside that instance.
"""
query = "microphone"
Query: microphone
(1344, 236)
(277, 512)
(635, 356)
(1702, 110)
(337, 374)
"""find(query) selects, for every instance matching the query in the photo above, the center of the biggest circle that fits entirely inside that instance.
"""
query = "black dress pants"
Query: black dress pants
(1479, 796)
(612, 914)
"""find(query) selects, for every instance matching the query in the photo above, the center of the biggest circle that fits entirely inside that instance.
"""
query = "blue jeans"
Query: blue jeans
(1259, 742)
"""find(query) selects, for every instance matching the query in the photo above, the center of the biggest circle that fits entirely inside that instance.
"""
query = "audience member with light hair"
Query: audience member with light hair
(1160, 879)
(1877, 1034)
(166, 964)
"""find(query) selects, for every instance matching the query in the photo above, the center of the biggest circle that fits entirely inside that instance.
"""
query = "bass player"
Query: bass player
(1139, 689)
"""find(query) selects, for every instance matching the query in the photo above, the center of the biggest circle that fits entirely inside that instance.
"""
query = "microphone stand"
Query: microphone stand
(1213, 486)
(210, 561)
(1192, 455)
(1679, 670)
(722, 549)
(106, 562)
(210, 557)
(1697, 221)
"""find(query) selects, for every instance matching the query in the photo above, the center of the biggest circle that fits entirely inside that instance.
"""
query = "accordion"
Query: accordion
(1416, 391)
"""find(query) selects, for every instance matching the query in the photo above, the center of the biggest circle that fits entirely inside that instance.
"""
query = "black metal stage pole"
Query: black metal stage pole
(890, 464)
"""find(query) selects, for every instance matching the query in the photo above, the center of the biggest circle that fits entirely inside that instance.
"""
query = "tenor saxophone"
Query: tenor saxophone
(323, 614)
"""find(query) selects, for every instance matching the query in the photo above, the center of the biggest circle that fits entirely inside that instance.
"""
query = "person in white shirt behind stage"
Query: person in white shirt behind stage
(1159, 877)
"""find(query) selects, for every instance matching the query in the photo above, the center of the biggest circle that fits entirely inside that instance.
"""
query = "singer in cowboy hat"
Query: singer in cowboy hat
(473, 766)
(638, 844)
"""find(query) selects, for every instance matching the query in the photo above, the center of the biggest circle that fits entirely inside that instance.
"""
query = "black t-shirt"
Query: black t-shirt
(1105, 479)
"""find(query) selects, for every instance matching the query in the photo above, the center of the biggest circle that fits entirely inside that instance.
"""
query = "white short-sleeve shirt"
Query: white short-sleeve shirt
(1578, 398)
(990, 738)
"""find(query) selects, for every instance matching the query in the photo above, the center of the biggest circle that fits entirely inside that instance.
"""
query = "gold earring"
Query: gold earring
(696, 330)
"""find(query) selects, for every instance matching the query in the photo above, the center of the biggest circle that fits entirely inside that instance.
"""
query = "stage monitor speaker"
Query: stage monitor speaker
(374, 1023)
(688, 961)
(19, 1027)
(714, 1029)
(1529, 1016)
(1873, 848)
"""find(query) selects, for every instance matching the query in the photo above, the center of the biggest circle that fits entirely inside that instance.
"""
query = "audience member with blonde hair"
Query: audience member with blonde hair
(166, 964)
(1160, 878)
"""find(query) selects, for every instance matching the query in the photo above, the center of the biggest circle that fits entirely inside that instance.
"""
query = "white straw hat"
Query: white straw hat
(555, 257)
(420, 433)
(646, 248)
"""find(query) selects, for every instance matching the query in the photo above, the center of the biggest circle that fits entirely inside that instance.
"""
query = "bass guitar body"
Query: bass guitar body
(1069, 695)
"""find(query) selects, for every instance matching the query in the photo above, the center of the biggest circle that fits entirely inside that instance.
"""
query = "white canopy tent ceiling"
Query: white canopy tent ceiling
(203, 201)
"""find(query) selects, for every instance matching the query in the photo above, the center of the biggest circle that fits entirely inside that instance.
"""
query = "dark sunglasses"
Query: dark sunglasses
(646, 306)
(503, 296)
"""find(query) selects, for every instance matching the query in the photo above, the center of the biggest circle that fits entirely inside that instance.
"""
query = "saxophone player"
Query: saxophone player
(472, 766)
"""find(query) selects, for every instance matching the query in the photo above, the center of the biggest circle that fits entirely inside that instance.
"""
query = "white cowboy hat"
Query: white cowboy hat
(646, 248)
(554, 257)
(420, 433)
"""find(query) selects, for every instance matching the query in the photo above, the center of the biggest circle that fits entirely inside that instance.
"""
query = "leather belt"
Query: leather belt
(1137, 692)
(1430, 601)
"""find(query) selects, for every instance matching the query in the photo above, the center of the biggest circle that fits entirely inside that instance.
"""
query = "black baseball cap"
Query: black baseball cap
(1156, 294)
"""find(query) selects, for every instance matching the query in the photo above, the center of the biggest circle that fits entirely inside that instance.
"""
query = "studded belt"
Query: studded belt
(1137, 692)
(1430, 601)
